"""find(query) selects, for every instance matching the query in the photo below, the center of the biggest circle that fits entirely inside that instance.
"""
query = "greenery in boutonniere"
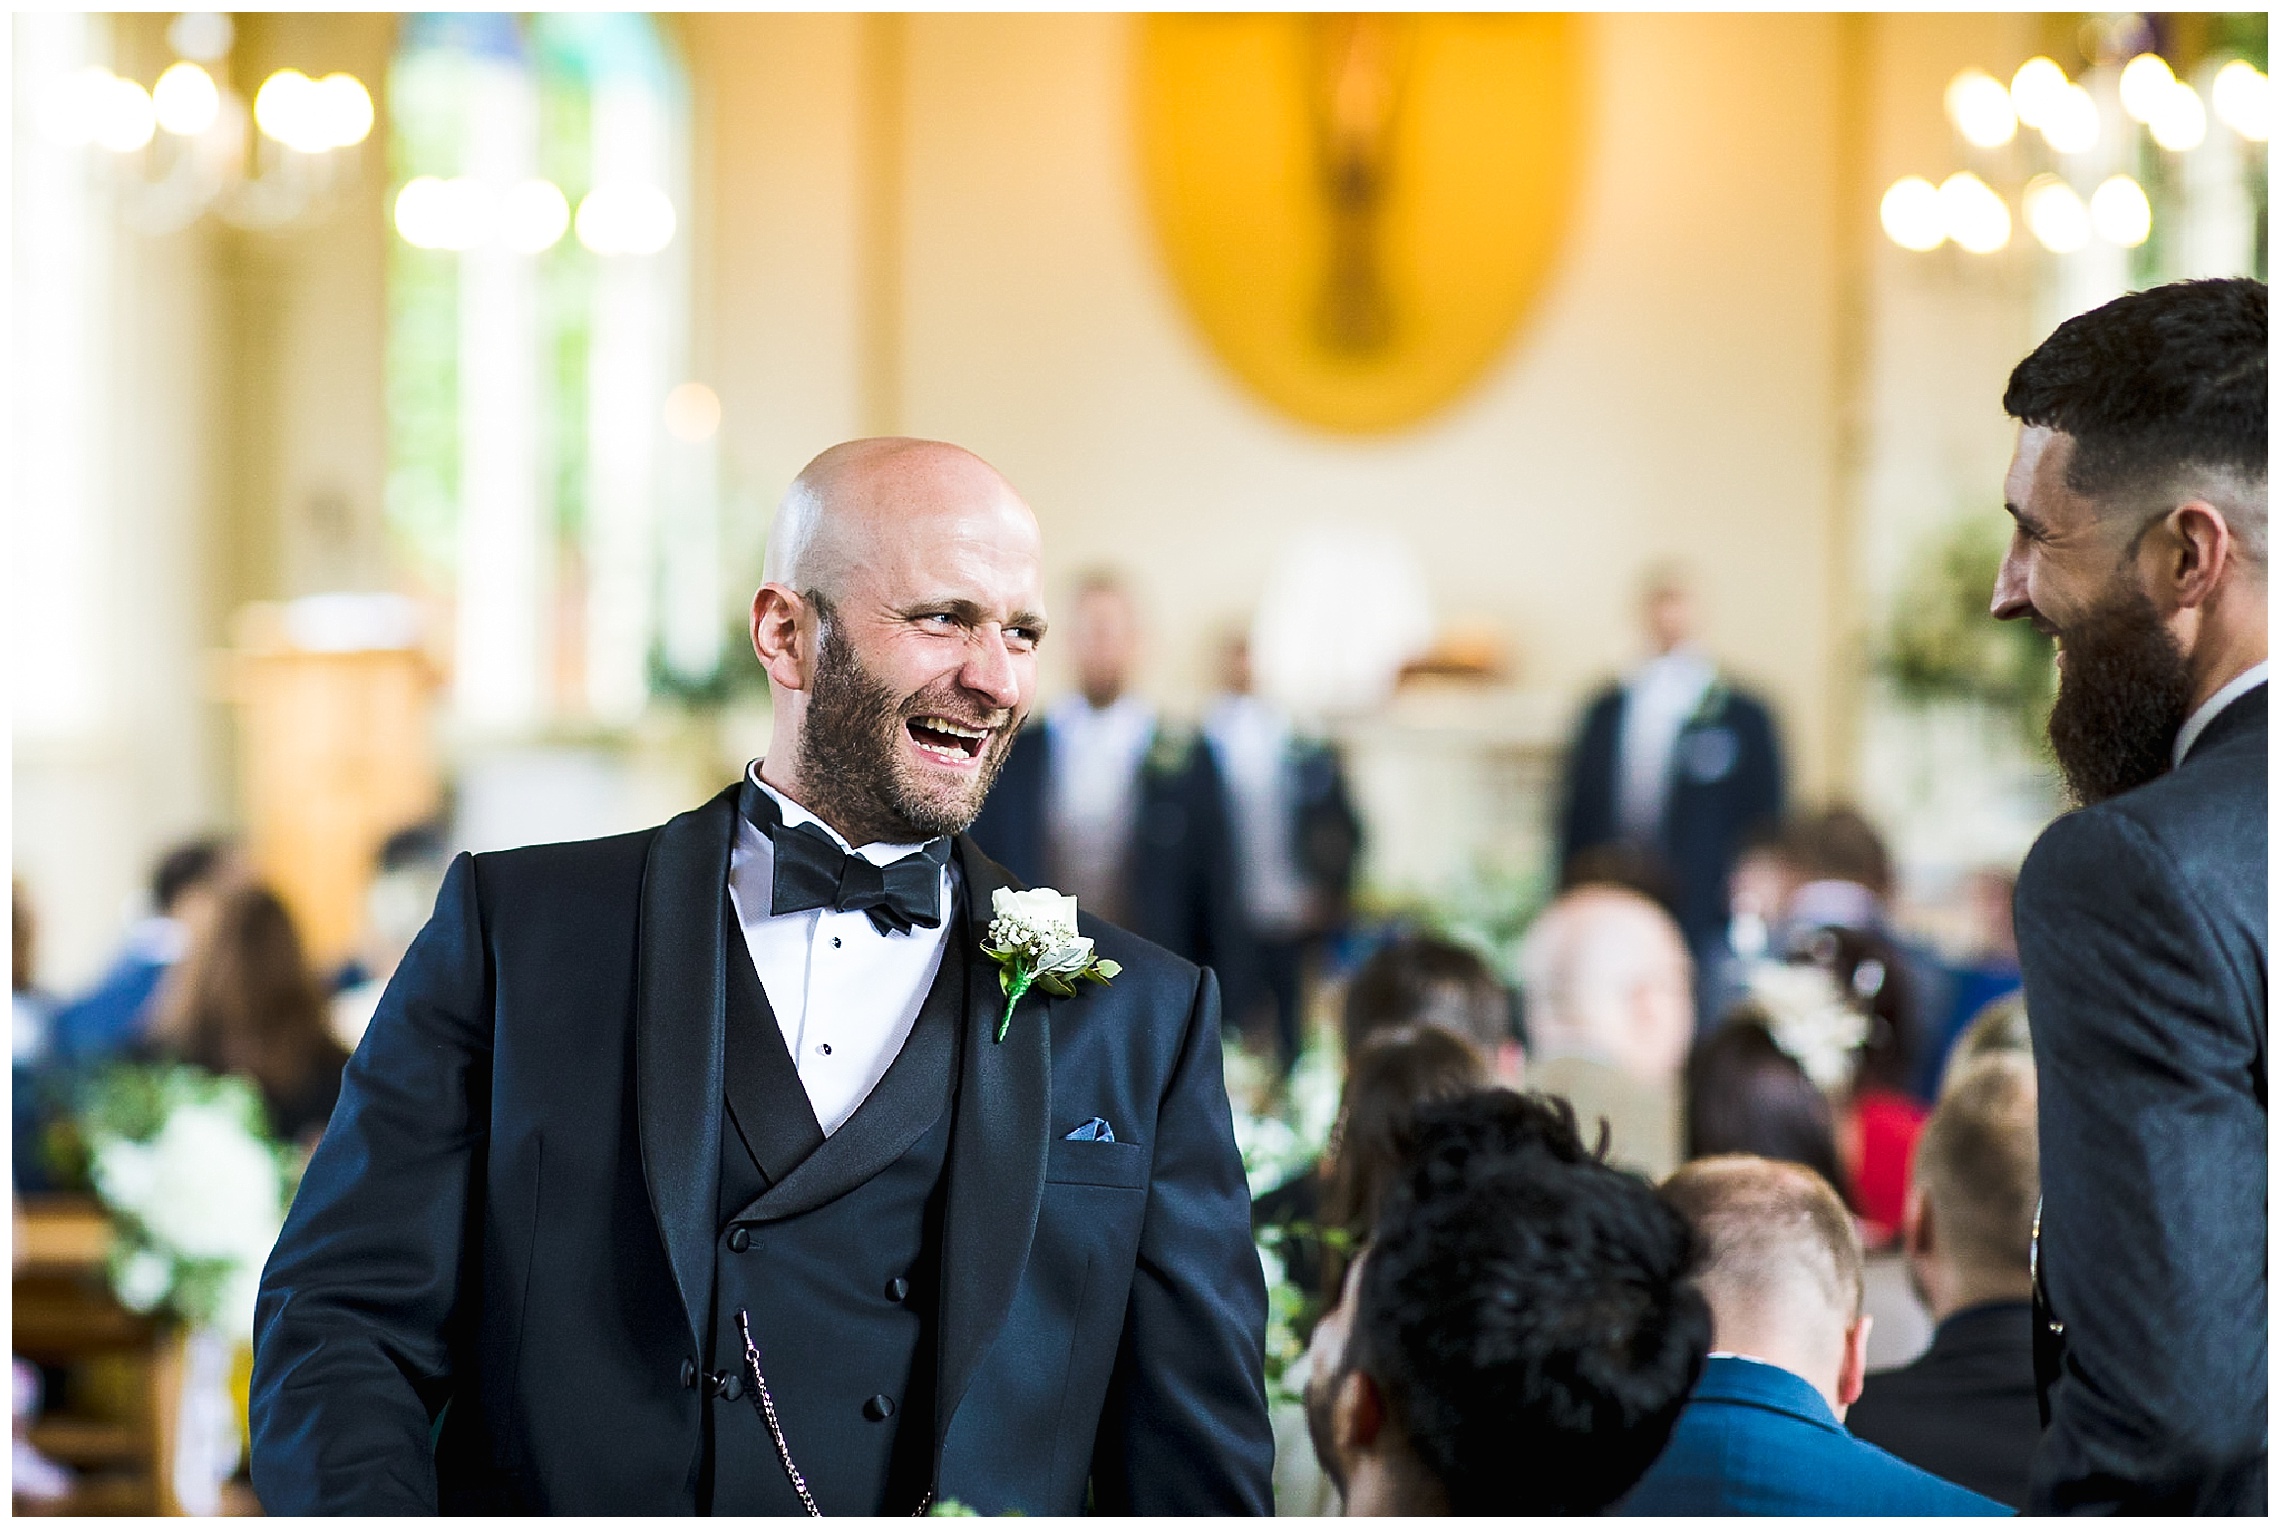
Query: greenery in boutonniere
(1033, 938)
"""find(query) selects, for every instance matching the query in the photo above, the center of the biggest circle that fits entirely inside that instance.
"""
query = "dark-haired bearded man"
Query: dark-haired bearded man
(702, 1169)
(2138, 496)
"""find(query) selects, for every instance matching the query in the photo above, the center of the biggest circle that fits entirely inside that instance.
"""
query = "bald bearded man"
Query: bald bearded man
(687, 1171)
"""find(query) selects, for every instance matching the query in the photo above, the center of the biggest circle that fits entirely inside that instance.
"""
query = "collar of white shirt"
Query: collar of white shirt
(2204, 714)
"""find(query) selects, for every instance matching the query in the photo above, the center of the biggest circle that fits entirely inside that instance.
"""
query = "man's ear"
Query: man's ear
(784, 648)
(1852, 1372)
(1357, 1414)
(1916, 1228)
(2202, 550)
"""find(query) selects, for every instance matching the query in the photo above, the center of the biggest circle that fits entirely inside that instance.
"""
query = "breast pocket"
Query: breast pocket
(1110, 1164)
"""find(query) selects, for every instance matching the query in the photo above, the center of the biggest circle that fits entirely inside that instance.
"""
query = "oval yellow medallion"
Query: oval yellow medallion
(1360, 210)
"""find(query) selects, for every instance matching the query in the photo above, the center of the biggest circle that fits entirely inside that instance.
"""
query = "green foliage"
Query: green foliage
(1942, 644)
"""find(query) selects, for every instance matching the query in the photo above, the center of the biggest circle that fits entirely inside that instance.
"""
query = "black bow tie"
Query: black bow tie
(812, 871)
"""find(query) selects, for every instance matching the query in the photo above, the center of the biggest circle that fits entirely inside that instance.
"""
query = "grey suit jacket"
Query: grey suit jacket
(2142, 932)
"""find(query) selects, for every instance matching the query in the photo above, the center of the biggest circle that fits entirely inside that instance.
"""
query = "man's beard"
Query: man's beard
(1321, 1396)
(2123, 693)
(850, 754)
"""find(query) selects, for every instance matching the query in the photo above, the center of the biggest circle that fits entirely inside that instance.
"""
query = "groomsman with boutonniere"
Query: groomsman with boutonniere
(790, 1157)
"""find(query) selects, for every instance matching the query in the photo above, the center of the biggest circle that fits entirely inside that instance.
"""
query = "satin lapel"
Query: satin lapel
(997, 1153)
(681, 1015)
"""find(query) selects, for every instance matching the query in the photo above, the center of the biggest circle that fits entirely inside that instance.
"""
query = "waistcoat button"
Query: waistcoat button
(898, 1289)
(730, 1386)
(879, 1408)
(739, 1239)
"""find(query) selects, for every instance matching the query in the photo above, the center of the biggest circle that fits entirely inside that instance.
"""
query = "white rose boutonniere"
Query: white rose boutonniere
(1033, 938)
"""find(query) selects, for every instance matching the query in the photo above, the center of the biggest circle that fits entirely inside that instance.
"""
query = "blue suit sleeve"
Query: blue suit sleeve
(1185, 1429)
(352, 1351)
(2153, 1140)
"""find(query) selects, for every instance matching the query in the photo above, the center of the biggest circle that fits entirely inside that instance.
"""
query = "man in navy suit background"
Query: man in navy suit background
(1764, 1431)
(690, 1171)
(2138, 501)
(1671, 770)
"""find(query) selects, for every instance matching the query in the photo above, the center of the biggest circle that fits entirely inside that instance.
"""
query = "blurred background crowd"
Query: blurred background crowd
(1566, 666)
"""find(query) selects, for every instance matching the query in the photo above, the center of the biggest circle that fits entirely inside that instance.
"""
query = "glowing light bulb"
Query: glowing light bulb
(2036, 84)
(283, 109)
(1912, 216)
(533, 217)
(626, 220)
(434, 214)
(692, 412)
(1975, 217)
(2242, 96)
(1980, 108)
(2120, 213)
(2055, 215)
(2144, 80)
(340, 110)
(124, 119)
(2179, 121)
(2070, 121)
(185, 100)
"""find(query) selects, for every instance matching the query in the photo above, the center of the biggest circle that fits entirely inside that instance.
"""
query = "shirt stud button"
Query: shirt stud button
(879, 1408)
(835, 942)
(898, 1289)
(824, 1049)
(738, 1240)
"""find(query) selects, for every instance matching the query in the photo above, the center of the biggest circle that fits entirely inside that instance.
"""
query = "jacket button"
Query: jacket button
(898, 1289)
(879, 1408)
(688, 1374)
(739, 1240)
(730, 1386)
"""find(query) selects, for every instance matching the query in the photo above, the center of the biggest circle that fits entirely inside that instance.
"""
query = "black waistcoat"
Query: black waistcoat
(831, 1247)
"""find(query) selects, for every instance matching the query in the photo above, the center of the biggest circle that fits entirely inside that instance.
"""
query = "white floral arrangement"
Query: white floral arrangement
(1809, 1019)
(196, 1188)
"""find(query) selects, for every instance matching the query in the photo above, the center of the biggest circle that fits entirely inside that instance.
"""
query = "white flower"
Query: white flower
(204, 1187)
(1041, 908)
(143, 1280)
(1809, 1019)
(1042, 925)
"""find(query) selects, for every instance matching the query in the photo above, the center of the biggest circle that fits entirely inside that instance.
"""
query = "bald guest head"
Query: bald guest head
(898, 625)
(1781, 1268)
(1607, 975)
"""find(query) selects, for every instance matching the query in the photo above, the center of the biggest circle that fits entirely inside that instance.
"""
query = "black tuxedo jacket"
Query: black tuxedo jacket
(1965, 1408)
(496, 1275)
(1185, 889)
(2142, 934)
(1726, 779)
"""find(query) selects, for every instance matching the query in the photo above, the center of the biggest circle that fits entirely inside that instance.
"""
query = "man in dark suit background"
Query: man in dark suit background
(688, 1170)
(1965, 1408)
(1764, 1430)
(2138, 498)
(1105, 799)
(1673, 768)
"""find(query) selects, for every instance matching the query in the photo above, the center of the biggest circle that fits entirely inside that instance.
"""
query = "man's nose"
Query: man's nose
(990, 669)
(2010, 602)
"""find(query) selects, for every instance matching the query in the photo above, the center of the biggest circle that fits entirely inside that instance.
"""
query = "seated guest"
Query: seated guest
(1996, 1030)
(114, 1015)
(1966, 1410)
(1763, 1432)
(1610, 1012)
(1744, 1094)
(1520, 1333)
(1878, 1118)
(246, 1002)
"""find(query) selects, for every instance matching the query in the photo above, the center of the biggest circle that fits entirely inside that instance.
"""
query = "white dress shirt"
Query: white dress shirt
(2205, 713)
(1251, 740)
(1093, 790)
(1658, 699)
(845, 994)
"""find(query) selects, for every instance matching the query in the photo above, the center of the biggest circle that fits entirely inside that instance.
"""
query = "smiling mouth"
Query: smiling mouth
(951, 742)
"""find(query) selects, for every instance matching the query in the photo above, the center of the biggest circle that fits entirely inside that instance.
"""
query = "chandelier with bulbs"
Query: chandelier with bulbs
(189, 144)
(2072, 145)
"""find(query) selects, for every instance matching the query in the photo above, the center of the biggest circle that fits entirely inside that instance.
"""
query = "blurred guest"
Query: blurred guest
(115, 1014)
(1756, 894)
(244, 1001)
(1107, 802)
(1744, 1094)
(2138, 496)
(1520, 1334)
(1966, 1409)
(1999, 1028)
(1677, 761)
(1845, 881)
(409, 874)
(1610, 1013)
(1413, 983)
(1764, 1430)
(1987, 969)
(1879, 1118)
(1296, 839)
(32, 1017)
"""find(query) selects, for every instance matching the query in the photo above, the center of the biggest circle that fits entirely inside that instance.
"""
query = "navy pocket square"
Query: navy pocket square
(1095, 1129)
